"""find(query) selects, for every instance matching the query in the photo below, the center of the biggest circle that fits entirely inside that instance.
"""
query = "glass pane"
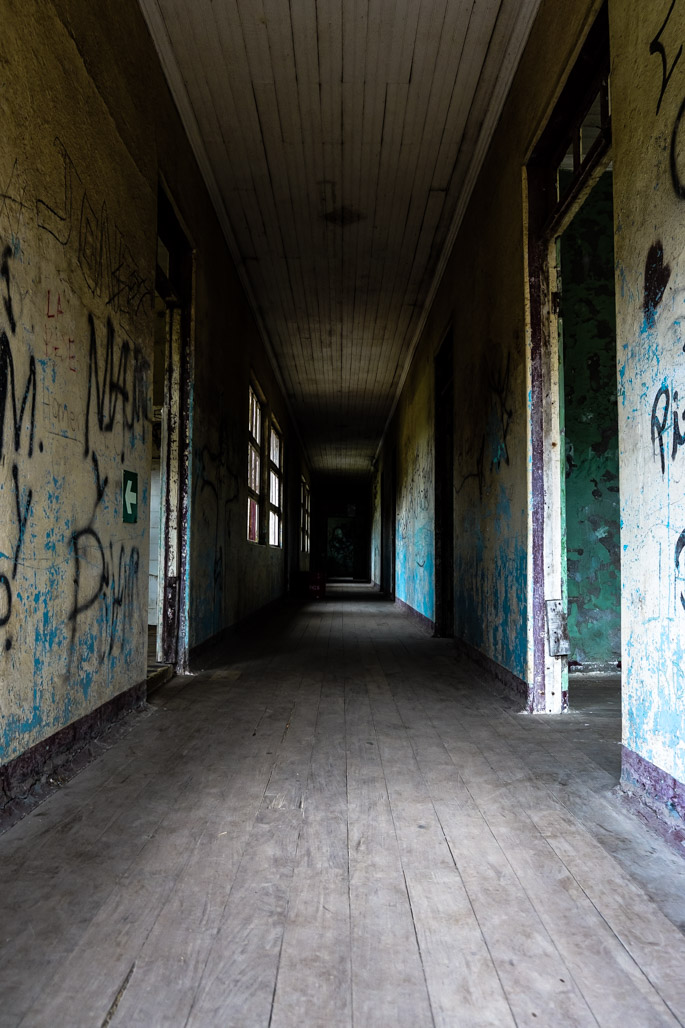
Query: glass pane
(274, 529)
(565, 173)
(591, 127)
(252, 520)
(275, 448)
(274, 489)
(253, 469)
(255, 420)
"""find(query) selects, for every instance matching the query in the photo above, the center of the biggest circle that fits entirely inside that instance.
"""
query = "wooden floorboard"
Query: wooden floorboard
(337, 822)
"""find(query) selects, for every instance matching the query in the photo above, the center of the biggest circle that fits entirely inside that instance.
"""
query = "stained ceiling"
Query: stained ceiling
(340, 140)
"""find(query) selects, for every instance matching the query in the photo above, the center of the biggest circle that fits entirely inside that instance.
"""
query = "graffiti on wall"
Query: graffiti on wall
(77, 220)
(215, 492)
(416, 496)
(415, 554)
(498, 414)
(121, 394)
(666, 415)
(69, 370)
(102, 581)
(17, 419)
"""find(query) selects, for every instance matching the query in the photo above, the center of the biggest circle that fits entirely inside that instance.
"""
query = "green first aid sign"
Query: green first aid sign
(130, 493)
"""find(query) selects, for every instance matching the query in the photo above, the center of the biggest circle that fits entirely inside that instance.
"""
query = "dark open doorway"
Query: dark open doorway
(169, 512)
(388, 525)
(590, 508)
(444, 488)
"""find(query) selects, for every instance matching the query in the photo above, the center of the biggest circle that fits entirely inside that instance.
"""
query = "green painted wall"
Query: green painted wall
(592, 492)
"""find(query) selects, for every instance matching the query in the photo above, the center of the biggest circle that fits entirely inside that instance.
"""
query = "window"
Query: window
(254, 467)
(577, 137)
(305, 516)
(275, 487)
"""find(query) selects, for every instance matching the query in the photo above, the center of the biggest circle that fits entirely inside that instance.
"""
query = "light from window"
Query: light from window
(254, 467)
(275, 488)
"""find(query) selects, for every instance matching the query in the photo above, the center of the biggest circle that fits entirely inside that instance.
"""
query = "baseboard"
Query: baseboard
(514, 687)
(424, 623)
(32, 775)
(656, 793)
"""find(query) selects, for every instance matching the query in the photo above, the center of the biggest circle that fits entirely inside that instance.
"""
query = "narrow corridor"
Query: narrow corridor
(336, 823)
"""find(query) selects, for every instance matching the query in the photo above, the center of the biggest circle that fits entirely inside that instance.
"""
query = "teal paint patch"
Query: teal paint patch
(415, 571)
(491, 599)
(415, 554)
(591, 430)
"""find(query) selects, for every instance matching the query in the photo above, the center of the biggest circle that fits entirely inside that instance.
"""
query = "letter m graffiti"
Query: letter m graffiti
(8, 390)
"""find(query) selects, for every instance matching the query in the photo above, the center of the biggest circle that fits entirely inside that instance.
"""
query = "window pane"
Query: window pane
(252, 520)
(274, 529)
(255, 419)
(253, 469)
(274, 489)
(565, 173)
(591, 127)
(275, 448)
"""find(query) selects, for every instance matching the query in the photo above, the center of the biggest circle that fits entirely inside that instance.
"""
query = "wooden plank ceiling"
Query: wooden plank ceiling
(340, 141)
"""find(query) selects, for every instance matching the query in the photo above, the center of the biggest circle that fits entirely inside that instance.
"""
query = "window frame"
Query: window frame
(305, 516)
(275, 475)
(255, 434)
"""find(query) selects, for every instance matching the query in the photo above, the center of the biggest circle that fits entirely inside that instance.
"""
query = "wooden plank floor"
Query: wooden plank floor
(339, 823)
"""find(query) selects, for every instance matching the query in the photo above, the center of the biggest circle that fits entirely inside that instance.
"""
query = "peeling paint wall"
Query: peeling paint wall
(648, 88)
(482, 295)
(415, 510)
(591, 431)
(88, 129)
(77, 237)
(376, 528)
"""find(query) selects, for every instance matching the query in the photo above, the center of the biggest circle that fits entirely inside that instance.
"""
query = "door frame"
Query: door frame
(175, 285)
(547, 213)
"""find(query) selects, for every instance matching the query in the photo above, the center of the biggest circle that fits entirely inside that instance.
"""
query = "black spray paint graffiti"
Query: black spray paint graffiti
(661, 408)
(478, 474)
(103, 581)
(669, 59)
(105, 576)
(657, 275)
(21, 409)
(657, 47)
(104, 257)
(12, 202)
(217, 482)
(499, 389)
(125, 380)
(22, 515)
(8, 388)
(501, 413)
(417, 492)
(5, 605)
(678, 550)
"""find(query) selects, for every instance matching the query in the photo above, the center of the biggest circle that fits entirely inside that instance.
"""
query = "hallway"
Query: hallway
(336, 823)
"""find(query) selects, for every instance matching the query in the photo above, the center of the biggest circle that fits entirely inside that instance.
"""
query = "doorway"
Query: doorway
(388, 525)
(444, 488)
(574, 564)
(588, 413)
(169, 529)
